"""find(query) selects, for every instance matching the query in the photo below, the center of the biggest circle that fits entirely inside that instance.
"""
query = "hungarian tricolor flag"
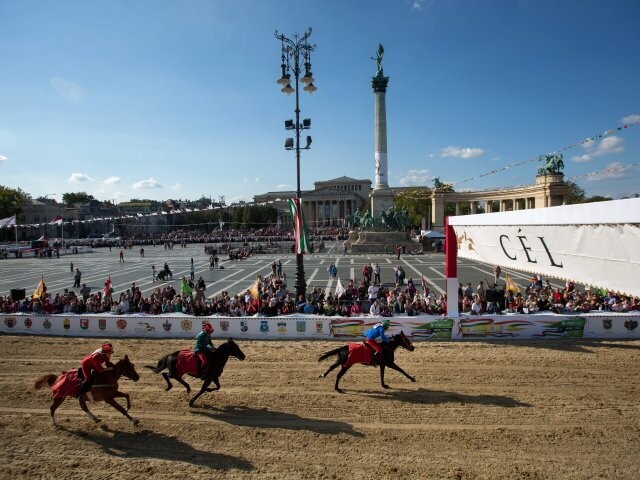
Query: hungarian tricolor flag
(424, 286)
(299, 227)
(40, 289)
(108, 289)
(56, 221)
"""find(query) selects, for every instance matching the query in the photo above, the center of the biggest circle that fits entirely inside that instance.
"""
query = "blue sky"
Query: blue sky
(177, 99)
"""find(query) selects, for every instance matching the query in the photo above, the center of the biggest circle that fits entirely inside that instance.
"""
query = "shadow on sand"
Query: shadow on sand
(576, 345)
(265, 418)
(425, 396)
(148, 444)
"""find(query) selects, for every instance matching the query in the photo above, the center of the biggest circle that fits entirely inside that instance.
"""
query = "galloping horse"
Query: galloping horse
(360, 353)
(184, 362)
(104, 388)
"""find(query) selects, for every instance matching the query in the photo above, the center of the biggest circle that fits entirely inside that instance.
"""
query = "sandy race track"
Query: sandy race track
(555, 409)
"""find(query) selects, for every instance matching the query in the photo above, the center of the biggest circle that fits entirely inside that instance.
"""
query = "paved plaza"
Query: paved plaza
(236, 276)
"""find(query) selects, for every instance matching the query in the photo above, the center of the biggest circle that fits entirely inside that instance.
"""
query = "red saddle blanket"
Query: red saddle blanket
(359, 353)
(67, 385)
(187, 363)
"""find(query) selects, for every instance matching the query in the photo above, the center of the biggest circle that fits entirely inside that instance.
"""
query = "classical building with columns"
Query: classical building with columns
(327, 204)
(331, 201)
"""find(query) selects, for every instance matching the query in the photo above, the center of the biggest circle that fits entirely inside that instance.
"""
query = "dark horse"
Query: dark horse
(104, 388)
(361, 353)
(217, 359)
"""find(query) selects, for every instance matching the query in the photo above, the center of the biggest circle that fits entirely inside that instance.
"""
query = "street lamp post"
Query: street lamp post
(293, 50)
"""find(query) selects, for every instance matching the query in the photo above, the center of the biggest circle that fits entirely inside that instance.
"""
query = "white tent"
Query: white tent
(432, 234)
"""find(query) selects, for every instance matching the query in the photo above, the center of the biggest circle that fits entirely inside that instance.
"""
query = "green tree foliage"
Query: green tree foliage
(578, 195)
(11, 201)
(76, 197)
(416, 201)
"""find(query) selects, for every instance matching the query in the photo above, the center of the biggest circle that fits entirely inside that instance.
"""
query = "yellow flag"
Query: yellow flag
(510, 285)
(254, 290)
(40, 289)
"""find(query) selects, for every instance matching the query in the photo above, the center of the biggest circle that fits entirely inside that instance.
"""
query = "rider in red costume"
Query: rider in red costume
(93, 363)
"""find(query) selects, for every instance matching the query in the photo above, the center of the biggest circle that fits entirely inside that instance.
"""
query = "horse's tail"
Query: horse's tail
(162, 364)
(45, 380)
(330, 353)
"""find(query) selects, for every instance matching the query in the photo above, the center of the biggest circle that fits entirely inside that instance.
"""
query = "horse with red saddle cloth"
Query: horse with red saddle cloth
(186, 362)
(362, 353)
(104, 387)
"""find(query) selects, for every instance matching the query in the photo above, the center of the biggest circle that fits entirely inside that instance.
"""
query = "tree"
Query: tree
(416, 201)
(76, 197)
(11, 201)
(578, 195)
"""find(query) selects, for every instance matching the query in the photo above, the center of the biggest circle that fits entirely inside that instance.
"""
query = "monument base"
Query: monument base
(381, 200)
(380, 242)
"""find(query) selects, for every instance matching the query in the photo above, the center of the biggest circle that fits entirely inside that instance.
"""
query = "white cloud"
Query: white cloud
(236, 199)
(144, 184)
(612, 171)
(283, 186)
(176, 186)
(251, 180)
(3, 159)
(69, 90)
(112, 181)
(630, 119)
(461, 152)
(415, 177)
(607, 146)
(79, 178)
(420, 4)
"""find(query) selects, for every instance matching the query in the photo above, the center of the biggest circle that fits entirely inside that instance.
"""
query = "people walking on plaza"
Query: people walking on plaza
(153, 273)
(76, 278)
(333, 270)
(496, 274)
(376, 273)
(142, 253)
(71, 266)
(192, 271)
(279, 268)
(121, 256)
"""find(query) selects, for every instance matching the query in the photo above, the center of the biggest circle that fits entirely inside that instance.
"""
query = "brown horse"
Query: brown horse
(353, 353)
(104, 388)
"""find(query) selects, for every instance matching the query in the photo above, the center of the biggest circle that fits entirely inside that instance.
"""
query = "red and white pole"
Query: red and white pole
(451, 269)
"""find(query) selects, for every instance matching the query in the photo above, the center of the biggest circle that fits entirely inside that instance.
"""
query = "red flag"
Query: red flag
(56, 221)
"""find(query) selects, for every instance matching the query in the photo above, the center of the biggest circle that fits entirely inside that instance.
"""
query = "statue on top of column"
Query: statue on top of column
(378, 59)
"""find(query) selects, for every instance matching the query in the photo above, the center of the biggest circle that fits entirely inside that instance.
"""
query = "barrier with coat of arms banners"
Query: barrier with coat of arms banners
(297, 327)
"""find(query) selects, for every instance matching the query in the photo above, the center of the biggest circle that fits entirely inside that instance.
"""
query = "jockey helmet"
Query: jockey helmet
(107, 348)
(207, 328)
(386, 324)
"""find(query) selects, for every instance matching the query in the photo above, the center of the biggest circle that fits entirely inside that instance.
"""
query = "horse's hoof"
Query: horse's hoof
(413, 380)
(339, 390)
(386, 386)
(136, 422)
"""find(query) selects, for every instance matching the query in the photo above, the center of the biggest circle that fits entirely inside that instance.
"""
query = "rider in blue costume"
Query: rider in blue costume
(375, 337)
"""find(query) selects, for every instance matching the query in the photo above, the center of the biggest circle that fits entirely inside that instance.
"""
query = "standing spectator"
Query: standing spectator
(121, 256)
(376, 273)
(153, 273)
(274, 269)
(496, 274)
(279, 268)
(141, 252)
(85, 292)
(76, 277)
(71, 266)
(192, 271)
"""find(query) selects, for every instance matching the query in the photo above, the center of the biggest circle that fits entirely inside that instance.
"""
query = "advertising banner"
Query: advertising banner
(299, 327)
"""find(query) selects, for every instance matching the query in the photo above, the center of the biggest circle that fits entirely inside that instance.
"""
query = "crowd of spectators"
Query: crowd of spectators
(541, 297)
(368, 296)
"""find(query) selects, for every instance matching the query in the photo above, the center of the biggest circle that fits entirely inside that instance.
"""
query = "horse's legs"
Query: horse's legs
(203, 389)
(165, 375)
(398, 369)
(54, 406)
(339, 376)
(120, 394)
(217, 382)
(186, 385)
(120, 408)
(85, 409)
(384, 385)
(332, 367)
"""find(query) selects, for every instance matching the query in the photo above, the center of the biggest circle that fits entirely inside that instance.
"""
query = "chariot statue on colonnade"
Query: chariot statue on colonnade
(553, 164)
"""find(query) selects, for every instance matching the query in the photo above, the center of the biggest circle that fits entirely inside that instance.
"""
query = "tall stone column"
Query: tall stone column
(382, 195)
(379, 83)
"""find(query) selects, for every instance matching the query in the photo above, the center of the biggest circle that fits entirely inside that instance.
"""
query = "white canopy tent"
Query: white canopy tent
(596, 244)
